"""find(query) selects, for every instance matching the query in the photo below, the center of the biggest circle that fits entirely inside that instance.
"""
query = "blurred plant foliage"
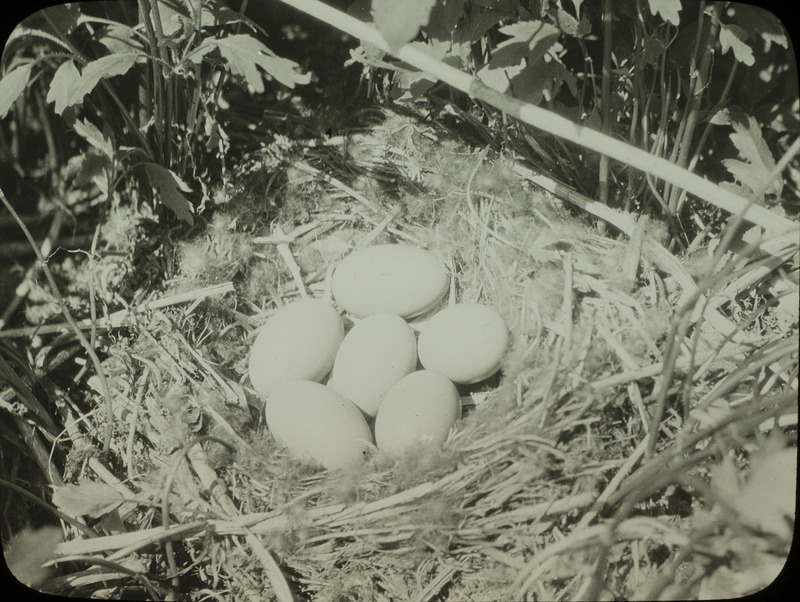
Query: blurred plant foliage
(708, 85)
(140, 84)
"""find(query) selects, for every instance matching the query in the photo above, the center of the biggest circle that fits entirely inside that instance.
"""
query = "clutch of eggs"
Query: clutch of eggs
(373, 368)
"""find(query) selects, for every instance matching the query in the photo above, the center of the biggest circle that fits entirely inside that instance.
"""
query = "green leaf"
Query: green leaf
(751, 145)
(529, 41)
(120, 39)
(732, 37)
(542, 80)
(668, 9)
(564, 21)
(214, 14)
(244, 54)
(498, 77)
(89, 132)
(538, 36)
(481, 20)
(91, 167)
(87, 498)
(169, 187)
(12, 86)
(399, 22)
(61, 86)
(67, 91)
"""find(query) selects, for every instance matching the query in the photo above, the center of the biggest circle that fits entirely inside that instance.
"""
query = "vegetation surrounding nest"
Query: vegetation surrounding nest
(638, 443)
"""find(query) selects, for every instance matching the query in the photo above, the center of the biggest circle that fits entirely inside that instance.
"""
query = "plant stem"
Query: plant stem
(605, 95)
(699, 82)
(158, 82)
(167, 109)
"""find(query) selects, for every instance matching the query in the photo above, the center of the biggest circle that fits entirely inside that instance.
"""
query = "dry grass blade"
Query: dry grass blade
(118, 318)
(274, 574)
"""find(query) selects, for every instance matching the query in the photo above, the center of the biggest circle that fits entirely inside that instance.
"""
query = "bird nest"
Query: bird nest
(589, 466)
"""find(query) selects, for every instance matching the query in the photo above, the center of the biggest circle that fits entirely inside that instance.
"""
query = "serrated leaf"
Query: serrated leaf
(732, 37)
(542, 80)
(399, 22)
(758, 163)
(68, 91)
(60, 90)
(721, 117)
(499, 78)
(86, 499)
(244, 54)
(537, 36)
(215, 14)
(564, 21)
(91, 167)
(668, 9)
(527, 44)
(89, 132)
(12, 86)
(119, 39)
(174, 18)
(169, 188)
(28, 550)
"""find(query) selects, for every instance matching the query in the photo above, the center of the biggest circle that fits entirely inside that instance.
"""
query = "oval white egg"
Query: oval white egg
(375, 354)
(317, 424)
(464, 342)
(298, 342)
(395, 278)
(419, 410)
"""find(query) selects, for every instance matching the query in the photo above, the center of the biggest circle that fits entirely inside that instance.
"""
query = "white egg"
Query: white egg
(298, 342)
(419, 410)
(464, 342)
(398, 279)
(317, 424)
(376, 353)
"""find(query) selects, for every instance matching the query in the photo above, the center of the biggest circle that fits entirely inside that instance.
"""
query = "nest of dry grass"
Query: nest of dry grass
(553, 486)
